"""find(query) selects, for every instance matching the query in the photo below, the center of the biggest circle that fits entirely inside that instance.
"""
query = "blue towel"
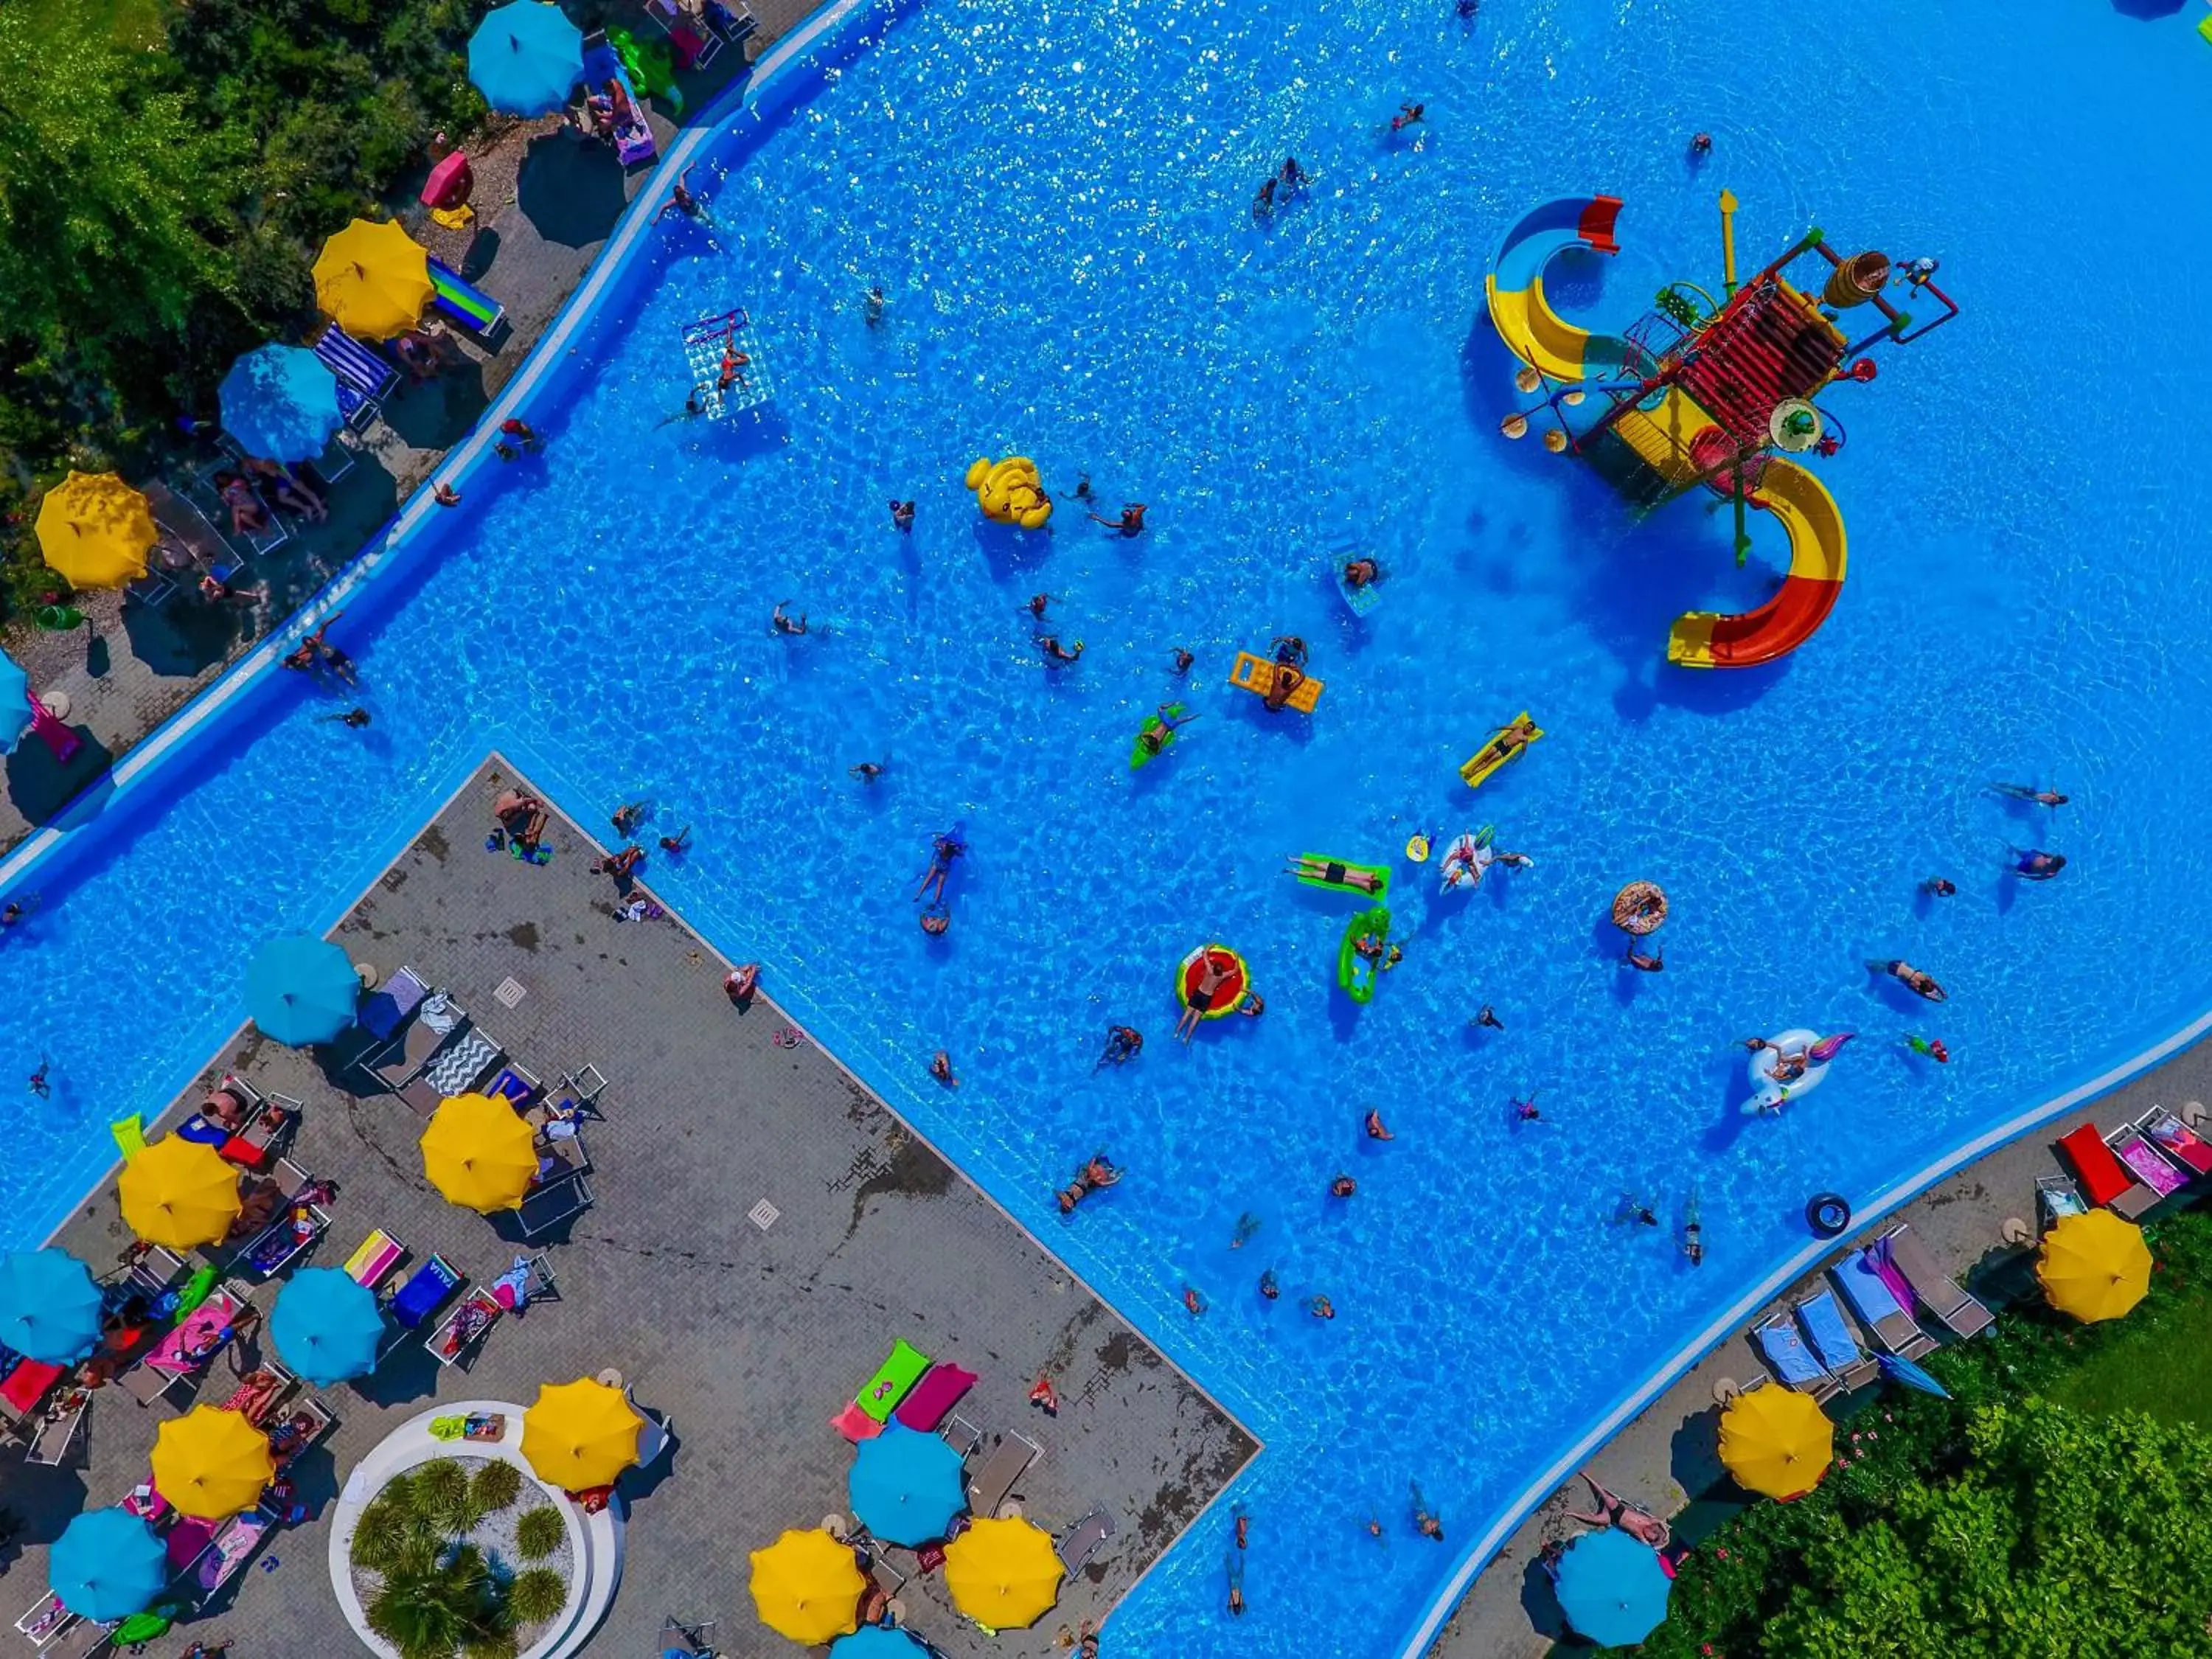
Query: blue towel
(1787, 1355)
(1832, 1338)
(1870, 1298)
(418, 1298)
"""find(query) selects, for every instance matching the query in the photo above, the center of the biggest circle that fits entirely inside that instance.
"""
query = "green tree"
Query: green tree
(494, 1487)
(436, 1610)
(539, 1533)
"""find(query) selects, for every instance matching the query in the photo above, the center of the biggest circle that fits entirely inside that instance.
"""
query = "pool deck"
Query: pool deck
(748, 1339)
(1670, 1454)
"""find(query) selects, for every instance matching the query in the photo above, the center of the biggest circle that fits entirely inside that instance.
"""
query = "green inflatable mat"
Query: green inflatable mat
(1335, 877)
(1355, 973)
(880, 1394)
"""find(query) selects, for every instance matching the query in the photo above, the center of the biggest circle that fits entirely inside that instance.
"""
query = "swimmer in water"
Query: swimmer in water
(1193, 1301)
(1056, 652)
(1289, 649)
(1342, 1186)
(1359, 572)
(1037, 603)
(1634, 1209)
(1243, 1527)
(1321, 1307)
(940, 1067)
(903, 517)
(942, 851)
(1932, 1047)
(1393, 956)
(628, 816)
(1488, 1017)
(1132, 521)
(2031, 866)
(872, 306)
(1262, 205)
(1694, 1232)
(1425, 1522)
(1373, 1124)
(937, 920)
(1236, 1583)
(1939, 887)
(1082, 491)
(1253, 1006)
(2029, 792)
(1653, 963)
(1511, 742)
(678, 843)
(1921, 270)
(1701, 143)
(1268, 1288)
(355, 717)
(783, 624)
(1123, 1044)
(1911, 979)
(1293, 175)
(866, 771)
(681, 200)
(39, 1084)
(1407, 115)
(1247, 1224)
(1182, 660)
(1524, 1111)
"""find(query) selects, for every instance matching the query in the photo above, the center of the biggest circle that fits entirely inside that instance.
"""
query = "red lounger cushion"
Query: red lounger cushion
(28, 1383)
(934, 1395)
(2103, 1179)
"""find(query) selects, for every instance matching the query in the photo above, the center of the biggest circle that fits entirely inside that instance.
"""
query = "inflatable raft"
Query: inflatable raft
(1770, 1091)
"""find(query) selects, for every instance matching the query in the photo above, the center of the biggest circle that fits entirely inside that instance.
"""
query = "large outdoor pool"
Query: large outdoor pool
(1056, 202)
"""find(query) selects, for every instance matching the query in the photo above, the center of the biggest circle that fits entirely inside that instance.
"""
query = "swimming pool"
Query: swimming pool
(1055, 203)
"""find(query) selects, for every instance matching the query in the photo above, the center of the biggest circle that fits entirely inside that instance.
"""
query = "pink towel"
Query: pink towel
(856, 1424)
(2154, 1171)
(934, 1395)
(202, 1322)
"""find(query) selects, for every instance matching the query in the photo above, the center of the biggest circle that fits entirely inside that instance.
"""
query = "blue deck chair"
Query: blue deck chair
(1786, 1351)
(426, 1290)
(1833, 1343)
(365, 376)
(1892, 1323)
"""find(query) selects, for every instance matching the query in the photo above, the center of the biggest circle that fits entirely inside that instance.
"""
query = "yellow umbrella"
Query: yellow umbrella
(479, 1153)
(96, 530)
(374, 280)
(179, 1194)
(580, 1434)
(1776, 1442)
(211, 1463)
(807, 1586)
(2095, 1265)
(1003, 1574)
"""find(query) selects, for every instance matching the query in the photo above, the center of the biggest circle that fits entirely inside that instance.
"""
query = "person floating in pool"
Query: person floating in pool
(1132, 521)
(782, 623)
(2031, 866)
(866, 771)
(1508, 742)
(2029, 792)
(1426, 1521)
(1932, 1048)
(1940, 887)
(1154, 737)
(1055, 653)
(1786, 1067)
(1920, 984)
(903, 517)
(1182, 660)
(1283, 687)
(1321, 1307)
(1212, 976)
(1524, 1111)
(39, 1082)
(1318, 869)
(1123, 1044)
(1408, 115)
(1263, 204)
(1634, 1209)
(1243, 1527)
(1342, 1186)
(1373, 1125)
(1268, 1287)
(872, 306)
(942, 851)
(1359, 572)
(354, 719)
(1701, 145)
(940, 1067)
(1652, 962)
(734, 363)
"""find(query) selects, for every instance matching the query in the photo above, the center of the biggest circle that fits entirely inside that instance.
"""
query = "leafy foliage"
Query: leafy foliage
(494, 1487)
(539, 1533)
(535, 1596)
(431, 1610)
(394, 1533)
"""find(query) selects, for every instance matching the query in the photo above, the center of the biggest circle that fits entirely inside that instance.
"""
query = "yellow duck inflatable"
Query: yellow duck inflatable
(1010, 492)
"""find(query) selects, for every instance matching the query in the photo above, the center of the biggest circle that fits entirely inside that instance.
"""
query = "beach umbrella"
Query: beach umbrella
(96, 530)
(807, 1586)
(210, 1463)
(179, 1194)
(1898, 1369)
(107, 1565)
(525, 58)
(877, 1642)
(479, 1153)
(281, 403)
(49, 1305)
(1776, 1442)
(1612, 1588)
(2095, 1265)
(1003, 1574)
(300, 990)
(327, 1325)
(372, 280)
(905, 1486)
(15, 703)
(580, 1435)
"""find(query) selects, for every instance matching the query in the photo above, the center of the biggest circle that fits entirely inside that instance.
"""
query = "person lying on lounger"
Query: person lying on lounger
(1305, 865)
(1642, 1525)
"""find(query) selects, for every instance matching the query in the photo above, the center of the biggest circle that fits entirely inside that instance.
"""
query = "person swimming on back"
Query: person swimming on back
(1509, 740)
(1154, 737)
(943, 850)
(2031, 866)
(2050, 797)
(1912, 979)
(783, 624)
(1654, 962)
(1132, 520)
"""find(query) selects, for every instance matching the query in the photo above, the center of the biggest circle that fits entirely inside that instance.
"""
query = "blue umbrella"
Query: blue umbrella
(526, 57)
(300, 990)
(905, 1486)
(327, 1325)
(876, 1642)
(1612, 1589)
(281, 403)
(15, 703)
(107, 1565)
(1900, 1370)
(49, 1306)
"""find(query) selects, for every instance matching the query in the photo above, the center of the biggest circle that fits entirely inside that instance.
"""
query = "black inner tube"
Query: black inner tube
(1828, 1213)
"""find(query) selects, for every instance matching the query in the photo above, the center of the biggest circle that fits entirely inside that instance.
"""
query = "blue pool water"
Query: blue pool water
(1056, 202)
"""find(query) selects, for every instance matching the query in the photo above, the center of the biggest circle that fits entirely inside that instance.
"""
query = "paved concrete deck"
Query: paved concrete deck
(546, 202)
(1668, 1459)
(748, 1339)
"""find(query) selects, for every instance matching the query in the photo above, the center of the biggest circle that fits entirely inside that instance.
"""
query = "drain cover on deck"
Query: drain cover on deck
(763, 1215)
(510, 992)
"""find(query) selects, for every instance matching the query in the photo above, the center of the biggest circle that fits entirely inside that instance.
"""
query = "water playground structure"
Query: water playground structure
(1705, 394)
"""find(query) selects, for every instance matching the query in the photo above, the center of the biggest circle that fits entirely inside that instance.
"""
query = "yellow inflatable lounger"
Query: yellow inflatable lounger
(1257, 676)
(1488, 758)
(1011, 491)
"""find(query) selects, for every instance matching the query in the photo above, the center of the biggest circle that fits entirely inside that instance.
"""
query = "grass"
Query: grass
(2159, 1372)
(134, 22)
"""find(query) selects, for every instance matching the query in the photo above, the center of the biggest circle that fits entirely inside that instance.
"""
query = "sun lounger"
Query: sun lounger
(365, 378)
(988, 1486)
(274, 532)
(302, 1424)
(374, 1258)
(155, 1270)
(2105, 1180)
(553, 1203)
(2177, 1140)
(417, 1301)
(1878, 1308)
(530, 1279)
(2056, 1198)
(55, 1431)
(695, 45)
(1792, 1362)
(933, 1396)
(281, 1243)
(235, 1541)
(959, 1433)
(437, 1021)
(260, 1391)
(46, 1619)
(146, 1503)
(585, 1085)
(2148, 1165)
(1083, 1539)
(463, 301)
(1958, 1311)
(461, 1329)
(1834, 1344)
(25, 1389)
(166, 1366)
(683, 1640)
(454, 1069)
(393, 1004)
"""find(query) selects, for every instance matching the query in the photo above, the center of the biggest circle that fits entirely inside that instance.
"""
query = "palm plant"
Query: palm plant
(535, 1596)
(539, 1533)
(428, 1610)
(494, 1487)
(447, 1495)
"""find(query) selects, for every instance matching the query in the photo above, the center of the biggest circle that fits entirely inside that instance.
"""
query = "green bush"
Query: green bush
(540, 1533)
(535, 1596)
(433, 1611)
(495, 1486)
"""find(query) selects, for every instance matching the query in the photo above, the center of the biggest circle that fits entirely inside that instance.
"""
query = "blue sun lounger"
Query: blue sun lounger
(1833, 1344)
(463, 301)
(1892, 1325)
(1785, 1351)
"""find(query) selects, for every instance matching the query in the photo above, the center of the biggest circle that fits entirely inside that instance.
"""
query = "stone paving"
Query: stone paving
(748, 1339)
(1669, 1455)
(137, 665)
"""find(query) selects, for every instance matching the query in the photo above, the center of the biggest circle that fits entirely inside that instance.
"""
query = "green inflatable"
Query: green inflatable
(1154, 737)
(1355, 973)
(650, 66)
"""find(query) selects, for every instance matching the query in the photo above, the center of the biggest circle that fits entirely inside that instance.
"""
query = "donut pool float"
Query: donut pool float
(1191, 973)
(1639, 908)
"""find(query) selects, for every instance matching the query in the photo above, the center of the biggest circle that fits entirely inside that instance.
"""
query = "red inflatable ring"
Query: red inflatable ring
(1227, 994)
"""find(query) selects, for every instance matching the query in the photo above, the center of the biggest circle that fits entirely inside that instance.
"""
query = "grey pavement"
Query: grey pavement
(749, 1339)
(1669, 1458)
(546, 202)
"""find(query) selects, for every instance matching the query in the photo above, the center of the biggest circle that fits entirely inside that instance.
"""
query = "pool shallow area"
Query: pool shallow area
(1055, 203)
